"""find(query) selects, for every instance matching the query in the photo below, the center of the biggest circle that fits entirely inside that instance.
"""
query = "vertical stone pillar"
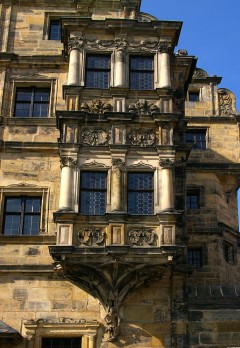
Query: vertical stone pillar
(120, 62)
(30, 341)
(164, 74)
(66, 189)
(91, 340)
(75, 44)
(116, 185)
(167, 203)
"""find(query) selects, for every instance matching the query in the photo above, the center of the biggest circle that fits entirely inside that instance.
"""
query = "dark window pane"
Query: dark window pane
(61, 342)
(98, 71)
(31, 225)
(193, 199)
(13, 204)
(55, 30)
(197, 138)
(22, 215)
(12, 225)
(141, 73)
(93, 193)
(195, 257)
(193, 96)
(140, 193)
(32, 102)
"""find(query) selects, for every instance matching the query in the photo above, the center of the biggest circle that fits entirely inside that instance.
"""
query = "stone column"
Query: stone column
(75, 44)
(66, 189)
(91, 340)
(120, 62)
(167, 184)
(116, 185)
(164, 76)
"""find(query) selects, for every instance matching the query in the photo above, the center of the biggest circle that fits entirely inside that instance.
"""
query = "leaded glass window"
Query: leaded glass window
(141, 72)
(195, 257)
(61, 342)
(22, 216)
(196, 137)
(98, 71)
(93, 193)
(140, 193)
(54, 29)
(32, 102)
(193, 199)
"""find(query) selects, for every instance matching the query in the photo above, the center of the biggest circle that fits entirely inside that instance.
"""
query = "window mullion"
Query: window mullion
(32, 103)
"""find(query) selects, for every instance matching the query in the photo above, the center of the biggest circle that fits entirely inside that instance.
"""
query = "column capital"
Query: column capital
(164, 47)
(68, 162)
(75, 43)
(120, 43)
(118, 162)
(167, 163)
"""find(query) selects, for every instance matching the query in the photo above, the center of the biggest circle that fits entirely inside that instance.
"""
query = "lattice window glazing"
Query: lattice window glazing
(32, 102)
(141, 73)
(93, 193)
(140, 193)
(22, 216)
(196, 137)
(98, 71)
(61, 342)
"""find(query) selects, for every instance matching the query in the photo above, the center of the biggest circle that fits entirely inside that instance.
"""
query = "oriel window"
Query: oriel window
(93, 193)
(140, 193)
(22, 216)
(98, 71)
(32, 102)
(141, 72)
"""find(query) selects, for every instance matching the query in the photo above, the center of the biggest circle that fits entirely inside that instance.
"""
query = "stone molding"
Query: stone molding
(142, 137)
(95, 137)
(91, 236)
(142, 237)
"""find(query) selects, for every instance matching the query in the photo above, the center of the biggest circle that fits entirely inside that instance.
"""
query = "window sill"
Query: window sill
(42, 239)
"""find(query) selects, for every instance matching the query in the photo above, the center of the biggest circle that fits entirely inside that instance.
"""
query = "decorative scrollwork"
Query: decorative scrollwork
(142, 237)
(200, 74)
(142, 107)
(167, 163)
(68, 162)
(226, 102)
(75, 42)
(95, 136)
(120, 43)
(142, 137)
(164, 47)
(96, 107)
(91, 236)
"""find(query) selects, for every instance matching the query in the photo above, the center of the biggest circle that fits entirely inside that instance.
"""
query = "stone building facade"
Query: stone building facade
(119, 177)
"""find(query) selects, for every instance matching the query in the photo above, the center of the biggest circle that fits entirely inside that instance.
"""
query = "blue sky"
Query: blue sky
(210, 32)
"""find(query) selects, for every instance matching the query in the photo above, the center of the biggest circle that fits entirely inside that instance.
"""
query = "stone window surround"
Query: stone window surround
(53, 16)
(30, 82)
(27, 190)
(35, 330)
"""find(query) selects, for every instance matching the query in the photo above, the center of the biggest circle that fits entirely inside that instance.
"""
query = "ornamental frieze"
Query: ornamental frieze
(143, 107)
(142, 137)
(96, 107)
(91, 236)
(142, 237)
(95, 137)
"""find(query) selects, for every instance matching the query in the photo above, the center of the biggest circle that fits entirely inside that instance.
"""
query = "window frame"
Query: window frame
(81, 189)
(150, 71)
(91, 69)
(33, 90)
(194, 141)
(29, 191)
(228, 248)
(140, 191)
(22, 214)
(199, 190)
(57, 338)
(200, 258)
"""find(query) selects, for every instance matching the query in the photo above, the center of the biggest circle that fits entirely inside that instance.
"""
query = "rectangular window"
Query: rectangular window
(228, 252)
(195, 257)
(140, 193)
(22, 216)
(193, 199)
(193, 96)
(61, 342)
(93, 193)
(98, 71)
(196, 137)
(54, 29)
(32, 102)
(141, 72)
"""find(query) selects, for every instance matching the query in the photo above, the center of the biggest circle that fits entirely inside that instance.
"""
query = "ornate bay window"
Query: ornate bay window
(141, 72)
(97, 71)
